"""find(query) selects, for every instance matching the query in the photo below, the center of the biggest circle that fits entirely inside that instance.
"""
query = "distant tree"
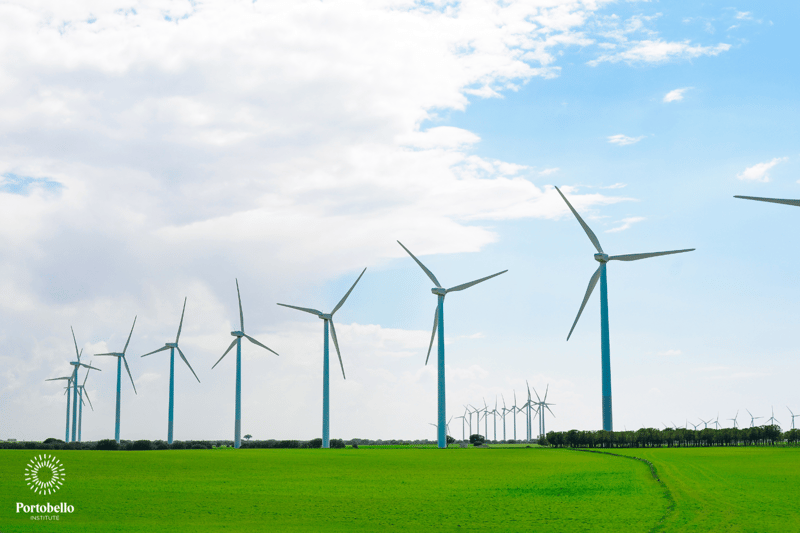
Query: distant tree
(248, 437)
(314, 443)
(337, 443)
(142, 445)
(52, 440)
(450, 440)
(107, 444)
(476, 439)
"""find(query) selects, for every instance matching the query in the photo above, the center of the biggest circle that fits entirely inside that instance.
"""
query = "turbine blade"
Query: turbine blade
(306, 309)
(589, 232)
(428, 272)
(589, 289)
(251, 339)
(433, 333)
(151, 353)
(336, 344)
(76, 343)
(226, 352)
(636, 257)
(241, 314)
(187, 364)
(471, 283)
(348, 293)
(105, 354)
(59, 379)
(180, 326)
(545, 393)
(129, 335)
(85, 377)
(87, 397)
(89, 366)
(773, 200)
(129, 374)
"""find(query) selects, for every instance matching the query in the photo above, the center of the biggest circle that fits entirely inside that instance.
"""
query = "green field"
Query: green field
(729, 489)
(419, 489)
(340, 490)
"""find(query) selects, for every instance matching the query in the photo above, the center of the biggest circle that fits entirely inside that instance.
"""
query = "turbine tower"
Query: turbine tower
(542, 406)
(75, 365)
(793, 416)
(734, 419)
(438, 320)
(81, 393)
(605, 346)
(172, 346)
(326, 404)
(237, 425)
(772, 420)
(121, 359)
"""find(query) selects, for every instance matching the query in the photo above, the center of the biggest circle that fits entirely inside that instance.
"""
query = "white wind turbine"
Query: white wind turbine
(734, 419)
(752, 418)
(793, 416)
(772, 419)
(438, 323)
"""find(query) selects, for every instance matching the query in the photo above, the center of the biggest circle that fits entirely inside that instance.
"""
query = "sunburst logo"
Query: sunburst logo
(44, 474)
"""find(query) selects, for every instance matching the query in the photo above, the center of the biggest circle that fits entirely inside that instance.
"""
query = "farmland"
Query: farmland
(340, 490)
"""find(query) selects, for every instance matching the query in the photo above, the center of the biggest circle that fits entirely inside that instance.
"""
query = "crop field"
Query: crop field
(516, 489)
(729, 488)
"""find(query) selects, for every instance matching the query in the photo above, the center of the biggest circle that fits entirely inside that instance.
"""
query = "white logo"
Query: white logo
(44, 474)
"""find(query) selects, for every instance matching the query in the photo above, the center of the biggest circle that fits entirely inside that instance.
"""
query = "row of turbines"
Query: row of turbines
(771, 421)
(530, 409)
(438, 331)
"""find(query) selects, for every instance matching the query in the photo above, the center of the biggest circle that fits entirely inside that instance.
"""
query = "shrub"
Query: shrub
(52, 440)
(107, 444)
(178, 445)
(314, 443)
(143, 444)
(160, 445)
(476, 439)
(337, 443)
(450, 440)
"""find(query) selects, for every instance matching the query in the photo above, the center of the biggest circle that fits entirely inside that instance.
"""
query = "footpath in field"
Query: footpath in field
(729, 488)
(483, 490)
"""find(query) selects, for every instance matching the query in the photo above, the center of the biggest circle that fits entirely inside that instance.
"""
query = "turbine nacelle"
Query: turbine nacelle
(439, 290)
(171, 344)
(325, 316)
(601, 258)
(237, 333)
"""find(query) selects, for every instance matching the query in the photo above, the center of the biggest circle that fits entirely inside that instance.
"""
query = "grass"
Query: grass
(339, 490)
(729, 489)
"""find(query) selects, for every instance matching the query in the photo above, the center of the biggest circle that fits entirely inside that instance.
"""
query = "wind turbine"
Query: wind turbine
(494, 418)
(752, 418)
(82, 391)
(542, 406)
(716, 422)
(75, 365)
(734, 419)
(463, 418)
(438, 320)
(605, 346)
(237, 425)
(514, 412)
(705, 422)
(505, 412)
(772, 419)
(69, 384)
(447, 426)
(121, 359)
(328, 318)
(466, 412)
(793, 416)
(172, 346)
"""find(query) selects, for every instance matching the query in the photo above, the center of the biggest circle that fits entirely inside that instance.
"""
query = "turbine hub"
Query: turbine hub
(237, 333)
(74, 363)
(601, 258)
(171, 344)
(438, 290)
(324, 316)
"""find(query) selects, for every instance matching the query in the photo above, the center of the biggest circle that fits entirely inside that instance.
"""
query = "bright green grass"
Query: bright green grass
(340, 490)
(729, 489)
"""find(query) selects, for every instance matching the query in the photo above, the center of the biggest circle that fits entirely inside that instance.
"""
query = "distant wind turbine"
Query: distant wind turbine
(542, 405)
(237, 424)
(81, 393)
(734, 419)
(793, 416)
(772, 420)
(605, 346)
(326, 404)
(121, 359)
(172, 346)
(68, 379)
(438, 321)
(752, 418)
(75, 365)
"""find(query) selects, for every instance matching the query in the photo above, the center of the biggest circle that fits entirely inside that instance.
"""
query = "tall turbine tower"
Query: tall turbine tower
(326, 403)
(237, 424)
(121, 359)
(172, 346)
(81, 393)
(75, 365)
(438, 320)
(605, 346)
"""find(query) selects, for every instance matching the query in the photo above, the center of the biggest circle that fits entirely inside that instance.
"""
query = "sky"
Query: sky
(160, 150)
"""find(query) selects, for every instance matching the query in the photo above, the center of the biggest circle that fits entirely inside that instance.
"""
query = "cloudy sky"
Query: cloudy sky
(156, 150)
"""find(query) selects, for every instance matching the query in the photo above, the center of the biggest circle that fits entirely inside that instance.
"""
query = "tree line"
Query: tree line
(669, 437)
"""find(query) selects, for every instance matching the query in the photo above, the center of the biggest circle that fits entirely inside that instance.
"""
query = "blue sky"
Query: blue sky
(152, 151)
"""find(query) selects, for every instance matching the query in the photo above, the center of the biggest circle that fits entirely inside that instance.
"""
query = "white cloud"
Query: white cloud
(548, 171)
(625, 224)
(759, 171)
(659, 51)
(744, 15)
(624, 140)
(676, 95)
